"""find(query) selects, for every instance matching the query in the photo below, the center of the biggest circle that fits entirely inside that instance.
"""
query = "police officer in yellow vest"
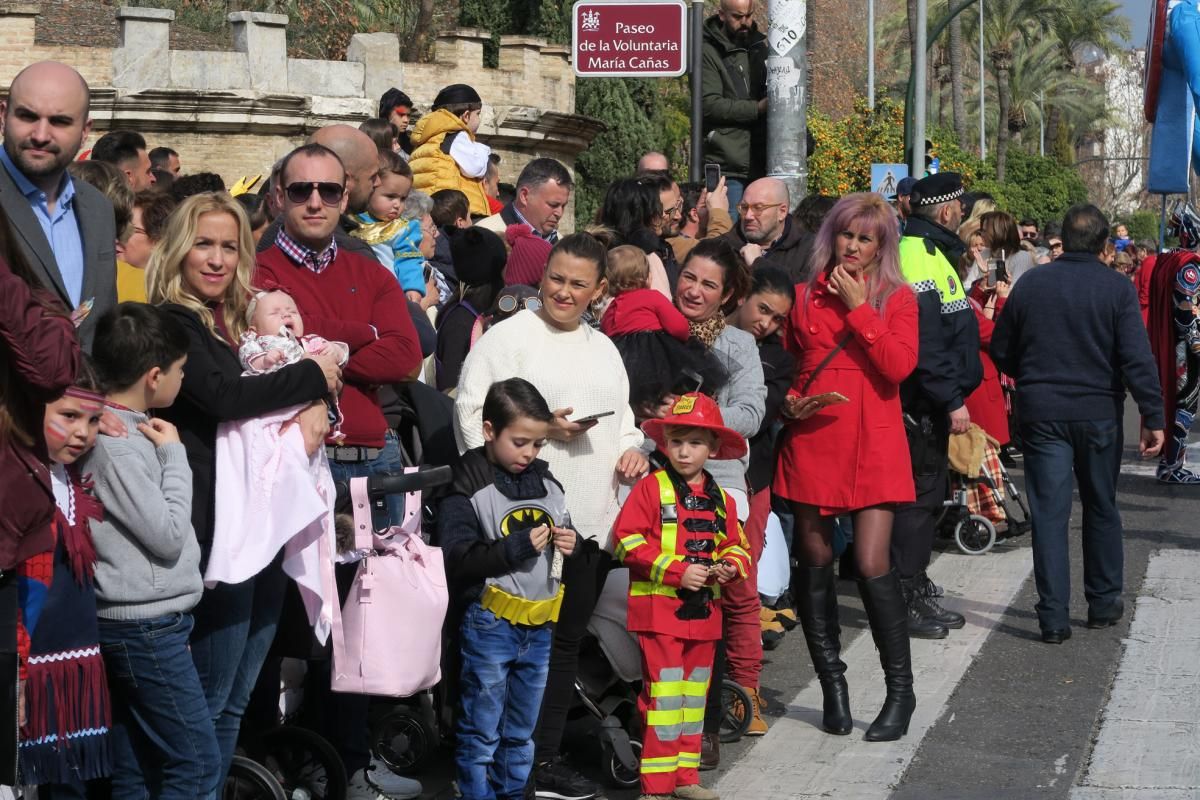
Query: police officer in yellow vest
(948, 369)
(446, 155)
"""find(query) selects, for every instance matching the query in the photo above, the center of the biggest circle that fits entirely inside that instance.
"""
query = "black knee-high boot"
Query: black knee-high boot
(888, 615)
(818, 610)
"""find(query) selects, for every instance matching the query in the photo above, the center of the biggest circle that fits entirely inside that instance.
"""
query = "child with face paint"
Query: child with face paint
(65, 715)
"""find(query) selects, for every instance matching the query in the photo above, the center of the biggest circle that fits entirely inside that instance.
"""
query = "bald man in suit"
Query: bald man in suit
(64, 228)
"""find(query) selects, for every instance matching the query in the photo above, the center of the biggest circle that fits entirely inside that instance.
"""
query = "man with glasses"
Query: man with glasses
(345, 297)
(666, 227)
(765, 233)
(1028, 228)
(734, 81)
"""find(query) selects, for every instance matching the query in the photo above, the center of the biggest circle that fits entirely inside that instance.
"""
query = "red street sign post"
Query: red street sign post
(614, 39)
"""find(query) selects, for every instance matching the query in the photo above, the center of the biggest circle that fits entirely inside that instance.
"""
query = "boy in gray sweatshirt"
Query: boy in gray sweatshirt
(148, 565)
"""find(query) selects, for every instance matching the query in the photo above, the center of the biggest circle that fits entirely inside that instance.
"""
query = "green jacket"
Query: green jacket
(734, 79)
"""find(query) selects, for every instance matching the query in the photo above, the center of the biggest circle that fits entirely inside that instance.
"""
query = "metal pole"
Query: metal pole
(982, 92)
(919, 79)
(1042, 124)
(871, 54)
(787, 84)
(1162, 225)
(695, 167)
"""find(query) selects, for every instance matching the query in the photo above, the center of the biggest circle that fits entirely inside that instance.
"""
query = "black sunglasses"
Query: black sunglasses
(331, 193)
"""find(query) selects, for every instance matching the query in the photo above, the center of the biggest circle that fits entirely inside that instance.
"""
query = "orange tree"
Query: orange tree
(846, 148)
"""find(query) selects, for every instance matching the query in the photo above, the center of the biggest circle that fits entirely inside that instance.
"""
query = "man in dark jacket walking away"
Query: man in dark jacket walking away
(1071, 335)
(933, 397)
(766, 234)
(734, 81)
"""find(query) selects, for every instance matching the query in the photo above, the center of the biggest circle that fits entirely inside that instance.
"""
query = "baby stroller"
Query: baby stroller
(979, 511)
(609, 679)
(286, 760)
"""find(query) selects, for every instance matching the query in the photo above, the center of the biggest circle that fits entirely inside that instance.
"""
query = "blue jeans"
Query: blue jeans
(163, 742)
(235, 626)
(1092, 451)
(504, 670)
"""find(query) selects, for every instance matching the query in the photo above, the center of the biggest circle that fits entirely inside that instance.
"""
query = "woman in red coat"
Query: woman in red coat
(986, 404)
(853, 331)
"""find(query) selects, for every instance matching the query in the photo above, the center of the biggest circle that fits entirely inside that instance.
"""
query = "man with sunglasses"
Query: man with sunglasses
(345, 297)
(361, 159)
(765, 233)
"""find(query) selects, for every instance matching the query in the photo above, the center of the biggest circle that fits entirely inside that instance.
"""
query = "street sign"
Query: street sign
(885, 177)
(612, 39)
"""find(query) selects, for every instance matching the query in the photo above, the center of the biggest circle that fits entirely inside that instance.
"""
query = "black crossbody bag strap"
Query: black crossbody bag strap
(841, 345)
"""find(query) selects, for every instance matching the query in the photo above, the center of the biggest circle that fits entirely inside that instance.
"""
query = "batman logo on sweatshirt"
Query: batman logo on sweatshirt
(525, 518)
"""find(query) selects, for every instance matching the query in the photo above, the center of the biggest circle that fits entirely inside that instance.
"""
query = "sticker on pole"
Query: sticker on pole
(613, 39)
(787, 25)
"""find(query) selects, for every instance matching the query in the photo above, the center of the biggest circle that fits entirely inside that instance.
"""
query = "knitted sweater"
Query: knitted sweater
(147, 558)
(579, 369)
(743, 400)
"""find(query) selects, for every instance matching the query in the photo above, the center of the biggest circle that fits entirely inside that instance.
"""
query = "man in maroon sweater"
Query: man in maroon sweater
(343, 296)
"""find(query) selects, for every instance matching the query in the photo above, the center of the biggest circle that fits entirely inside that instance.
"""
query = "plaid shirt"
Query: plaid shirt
(306, 257)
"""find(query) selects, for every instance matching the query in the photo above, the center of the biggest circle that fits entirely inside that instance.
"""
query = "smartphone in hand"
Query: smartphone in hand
(712, 176)
(593, 417)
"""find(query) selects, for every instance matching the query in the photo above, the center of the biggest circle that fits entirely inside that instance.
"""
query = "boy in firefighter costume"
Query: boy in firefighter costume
(678, 533)
(1175, 339)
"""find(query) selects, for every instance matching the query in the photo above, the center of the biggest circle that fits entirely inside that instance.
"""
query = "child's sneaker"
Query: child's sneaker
(390, 784)
(695, 792)
(555, 780)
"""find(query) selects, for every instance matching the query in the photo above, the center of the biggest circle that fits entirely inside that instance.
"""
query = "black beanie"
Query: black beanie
(479, 255)
(456, 94)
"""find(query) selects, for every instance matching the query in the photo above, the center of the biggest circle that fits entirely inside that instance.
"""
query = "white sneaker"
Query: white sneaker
(389, 784)
(358, 788)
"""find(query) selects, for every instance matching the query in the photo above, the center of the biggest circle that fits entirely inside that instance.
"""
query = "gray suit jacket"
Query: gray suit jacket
(98, 230)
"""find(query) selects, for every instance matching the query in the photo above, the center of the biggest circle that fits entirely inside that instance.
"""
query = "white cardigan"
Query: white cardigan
(579, 369)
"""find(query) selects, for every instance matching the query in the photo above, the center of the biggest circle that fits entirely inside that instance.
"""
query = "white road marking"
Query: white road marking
(796, 759)
(1149, 742)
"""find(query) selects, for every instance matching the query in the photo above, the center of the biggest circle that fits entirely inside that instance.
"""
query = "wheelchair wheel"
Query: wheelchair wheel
(403, 740)
(305, 765)
(737, 710)
(975, 535)
(249, 780)
(622, 776)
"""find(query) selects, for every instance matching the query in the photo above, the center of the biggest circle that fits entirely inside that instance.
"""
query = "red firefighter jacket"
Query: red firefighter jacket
(665, 526)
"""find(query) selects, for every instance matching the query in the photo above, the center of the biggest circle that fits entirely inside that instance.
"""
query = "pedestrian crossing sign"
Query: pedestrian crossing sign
(886, 177)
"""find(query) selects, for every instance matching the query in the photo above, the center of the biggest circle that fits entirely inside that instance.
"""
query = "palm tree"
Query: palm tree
(1037, 83)
(1080, 22)
(957, 102)
(1006, 24)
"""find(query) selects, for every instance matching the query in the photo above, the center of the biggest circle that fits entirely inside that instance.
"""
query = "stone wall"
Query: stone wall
(235, 112)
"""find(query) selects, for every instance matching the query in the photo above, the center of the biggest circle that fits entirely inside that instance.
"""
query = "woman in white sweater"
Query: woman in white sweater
(579, 372)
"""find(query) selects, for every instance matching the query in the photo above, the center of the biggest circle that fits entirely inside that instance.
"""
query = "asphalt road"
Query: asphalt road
(1000, 714)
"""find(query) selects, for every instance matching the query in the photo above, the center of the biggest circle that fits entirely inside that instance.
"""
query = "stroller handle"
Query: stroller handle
(380, 486)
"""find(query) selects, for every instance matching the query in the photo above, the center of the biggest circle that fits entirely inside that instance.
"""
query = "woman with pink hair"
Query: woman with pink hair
(844, 450)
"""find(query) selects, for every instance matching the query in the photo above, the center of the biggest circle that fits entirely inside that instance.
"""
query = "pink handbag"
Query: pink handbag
(387, 637)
